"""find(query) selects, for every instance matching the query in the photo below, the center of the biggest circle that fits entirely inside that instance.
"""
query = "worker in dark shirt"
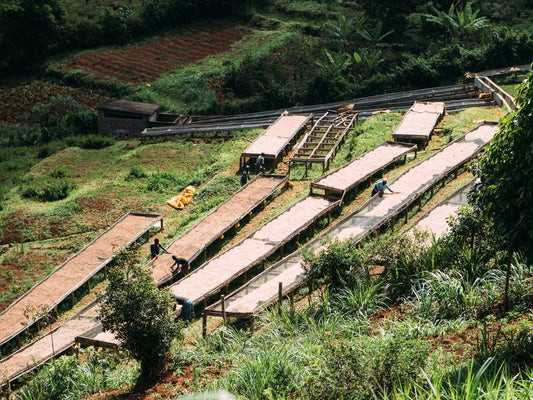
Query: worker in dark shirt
(245, 175)
(180, 266)
(260, 164)
(155, 247)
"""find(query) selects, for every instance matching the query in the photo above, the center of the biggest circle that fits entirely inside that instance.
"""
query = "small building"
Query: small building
(122, 119)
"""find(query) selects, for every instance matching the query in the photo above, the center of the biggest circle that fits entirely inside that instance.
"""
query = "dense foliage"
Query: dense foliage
(505, 172)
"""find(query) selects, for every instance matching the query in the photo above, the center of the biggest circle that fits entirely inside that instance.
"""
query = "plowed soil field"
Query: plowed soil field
(146, 62)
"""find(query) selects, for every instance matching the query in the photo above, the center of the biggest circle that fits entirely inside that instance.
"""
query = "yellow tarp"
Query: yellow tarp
(181, 200)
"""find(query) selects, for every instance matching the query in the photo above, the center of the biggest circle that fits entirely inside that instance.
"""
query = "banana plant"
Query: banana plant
(344, 29)
(460, 23)
(335, 64)
(376, 35)
(367, 61)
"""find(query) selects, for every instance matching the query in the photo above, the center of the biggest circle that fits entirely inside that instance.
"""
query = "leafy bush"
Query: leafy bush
(92, 142)
(340, 264)
(18, 135)
(165, 182)
(396, 358)
(50, 148)
(136, 172)
(48, 189)
(57, 108)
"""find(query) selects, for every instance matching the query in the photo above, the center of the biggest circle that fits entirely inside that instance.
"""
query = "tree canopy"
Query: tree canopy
(505, 171)
(138, 313)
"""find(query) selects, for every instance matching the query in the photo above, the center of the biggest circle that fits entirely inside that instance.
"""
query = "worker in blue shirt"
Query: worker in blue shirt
(380, 187)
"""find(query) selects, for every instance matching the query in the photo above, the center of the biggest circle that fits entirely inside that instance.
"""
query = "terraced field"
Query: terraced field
(145, 62)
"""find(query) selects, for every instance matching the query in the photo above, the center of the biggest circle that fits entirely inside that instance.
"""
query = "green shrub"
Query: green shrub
(48, 189)
(395, 359)
(166, 182)
(57, 108)
(50, 148)
(84, 122)
(182, 91)
(136, 172)
(339, 265)
(91, 142)
(18, 135)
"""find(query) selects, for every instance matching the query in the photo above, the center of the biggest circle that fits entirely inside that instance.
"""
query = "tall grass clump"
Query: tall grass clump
(442, 296)
(69, 377)
(266, 373)
(471, 382)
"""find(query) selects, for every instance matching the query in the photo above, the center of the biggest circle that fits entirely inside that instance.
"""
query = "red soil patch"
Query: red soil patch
(13, 224)
(146, 62)
(168, 386)
(15, 101)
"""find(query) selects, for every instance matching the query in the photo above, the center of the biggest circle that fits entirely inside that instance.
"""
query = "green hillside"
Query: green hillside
(449, 321)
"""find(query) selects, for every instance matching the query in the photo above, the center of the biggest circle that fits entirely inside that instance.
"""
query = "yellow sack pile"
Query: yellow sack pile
(182, 199)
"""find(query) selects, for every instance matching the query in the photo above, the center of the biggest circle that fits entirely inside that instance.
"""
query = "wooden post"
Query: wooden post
(329, 217)
(72, 298)
(291, 301)
(281, 251)
(245, 276)
(204, 325)
(406, 215)
(89, 285)
(226, 290)
(205, 253)
(280, 296)
(223, 304)
(264, 264)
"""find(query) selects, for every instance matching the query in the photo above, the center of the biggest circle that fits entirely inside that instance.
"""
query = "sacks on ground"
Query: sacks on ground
(181, 200)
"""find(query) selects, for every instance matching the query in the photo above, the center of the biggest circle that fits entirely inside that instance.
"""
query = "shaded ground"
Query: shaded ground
(19, 99)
